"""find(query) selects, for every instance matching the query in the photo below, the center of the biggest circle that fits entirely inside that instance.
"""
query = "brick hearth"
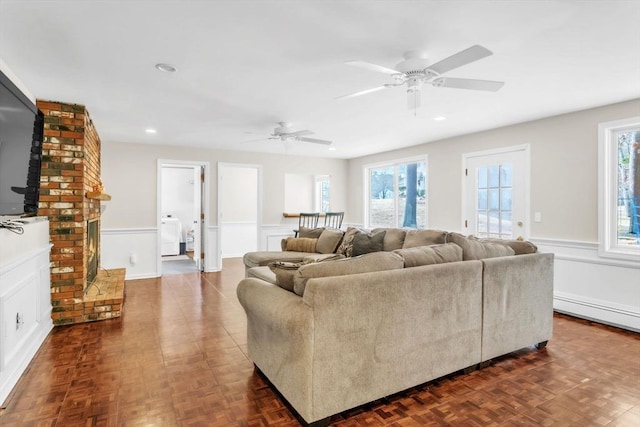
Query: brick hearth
(70, 172)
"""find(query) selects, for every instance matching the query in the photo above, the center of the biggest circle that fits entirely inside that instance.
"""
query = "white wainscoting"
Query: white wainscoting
(25, 300)
(136, 250)
(132, 248)
(591, 287)
(272, 235)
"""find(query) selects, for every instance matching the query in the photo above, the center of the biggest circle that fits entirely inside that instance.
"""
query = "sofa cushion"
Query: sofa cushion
(521, 247)
(393, 238)
(426, 255)
(414, 238)
(301, 244)
(263, 258)
(364, 242)
(321, 257)
(475, 249)
(311, 233)
(329, 240)
(262, 273)
(284, 271)
(375, 261)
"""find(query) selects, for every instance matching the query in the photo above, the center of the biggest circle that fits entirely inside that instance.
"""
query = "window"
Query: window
(396, 195)
(322, 193)
(619, 188)
(494, 189)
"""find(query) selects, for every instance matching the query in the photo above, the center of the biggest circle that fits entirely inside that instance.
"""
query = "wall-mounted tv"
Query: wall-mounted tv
(21, 135)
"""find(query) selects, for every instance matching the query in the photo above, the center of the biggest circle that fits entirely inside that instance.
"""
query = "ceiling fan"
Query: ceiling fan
(285, 132)
(415, 70)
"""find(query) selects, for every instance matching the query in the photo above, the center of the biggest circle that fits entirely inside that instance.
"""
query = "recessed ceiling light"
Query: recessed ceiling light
(150, 130)
(332, 148)
(167, 68)
(439, 118)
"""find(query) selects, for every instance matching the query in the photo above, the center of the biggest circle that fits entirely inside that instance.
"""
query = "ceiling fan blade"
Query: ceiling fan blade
(363, 92)
(373, 67)
(472, 84)
(461, 58)
(301, 133)
(253, 140)
(314, 140)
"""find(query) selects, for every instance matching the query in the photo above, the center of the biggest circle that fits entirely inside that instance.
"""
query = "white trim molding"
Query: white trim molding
(608, 190)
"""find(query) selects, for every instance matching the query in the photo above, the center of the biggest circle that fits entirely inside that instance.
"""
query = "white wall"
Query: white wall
(297, 198)
(564, 183)
(129, 173)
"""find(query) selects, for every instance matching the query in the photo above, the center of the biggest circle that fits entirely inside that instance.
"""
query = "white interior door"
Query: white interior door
(198, 215)
(239, 208)
(184, 198)
(496, 193)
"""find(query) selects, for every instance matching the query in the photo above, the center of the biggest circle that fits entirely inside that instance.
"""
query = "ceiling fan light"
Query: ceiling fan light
(166, 68)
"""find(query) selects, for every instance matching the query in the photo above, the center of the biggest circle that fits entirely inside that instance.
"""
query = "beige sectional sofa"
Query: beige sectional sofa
(333, 335)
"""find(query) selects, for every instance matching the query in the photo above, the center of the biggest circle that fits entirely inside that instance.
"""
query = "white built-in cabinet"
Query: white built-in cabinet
(25, 298)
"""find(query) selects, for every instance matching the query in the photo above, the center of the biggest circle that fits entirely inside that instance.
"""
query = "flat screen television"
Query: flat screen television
(21, 135)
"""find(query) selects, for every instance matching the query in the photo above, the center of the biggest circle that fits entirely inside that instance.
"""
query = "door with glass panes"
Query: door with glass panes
(497, 194)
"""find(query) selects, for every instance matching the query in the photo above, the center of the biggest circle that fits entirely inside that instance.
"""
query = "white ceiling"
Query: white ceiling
(245, 65)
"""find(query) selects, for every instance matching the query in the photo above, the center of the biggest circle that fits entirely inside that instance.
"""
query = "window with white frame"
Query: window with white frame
(322, 193)
(619, 188)
(397, 194)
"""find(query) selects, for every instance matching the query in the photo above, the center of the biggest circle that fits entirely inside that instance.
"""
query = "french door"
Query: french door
(496, 193)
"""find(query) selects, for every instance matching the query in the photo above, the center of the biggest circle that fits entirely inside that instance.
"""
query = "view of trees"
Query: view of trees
(407, 193)
(628, 181)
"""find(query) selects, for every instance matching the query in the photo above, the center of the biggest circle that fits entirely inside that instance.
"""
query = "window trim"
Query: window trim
(608, 190)
(393, 163)
(317, 190)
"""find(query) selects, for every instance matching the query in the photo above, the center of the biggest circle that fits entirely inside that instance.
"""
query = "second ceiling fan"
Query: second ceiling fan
(415, 71)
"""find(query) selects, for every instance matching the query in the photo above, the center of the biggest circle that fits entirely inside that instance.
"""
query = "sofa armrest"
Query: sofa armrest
(517, 303)
(280, 338)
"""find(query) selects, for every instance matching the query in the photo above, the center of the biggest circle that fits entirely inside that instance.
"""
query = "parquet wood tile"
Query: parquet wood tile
(178, 357)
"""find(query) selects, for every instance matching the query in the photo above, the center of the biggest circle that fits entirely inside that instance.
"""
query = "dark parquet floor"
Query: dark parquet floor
(177, 357)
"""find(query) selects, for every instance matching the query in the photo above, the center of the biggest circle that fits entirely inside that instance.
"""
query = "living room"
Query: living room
(556, 125)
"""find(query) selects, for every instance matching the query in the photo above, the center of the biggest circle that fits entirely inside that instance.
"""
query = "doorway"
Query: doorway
(496, 193)
(181, 214)
(239, 208)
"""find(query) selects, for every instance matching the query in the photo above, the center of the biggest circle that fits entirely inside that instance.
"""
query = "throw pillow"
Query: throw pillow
(393, 238)
(301, 244)
(427, 255)
(346, 246)
(285, 272)
(519, 246)
(329, 240)
(474, 249)
(364, 243)
(414, 238)
(311, 233)
(375, 261)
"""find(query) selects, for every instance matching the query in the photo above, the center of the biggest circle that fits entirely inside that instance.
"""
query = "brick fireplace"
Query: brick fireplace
(70, 195)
